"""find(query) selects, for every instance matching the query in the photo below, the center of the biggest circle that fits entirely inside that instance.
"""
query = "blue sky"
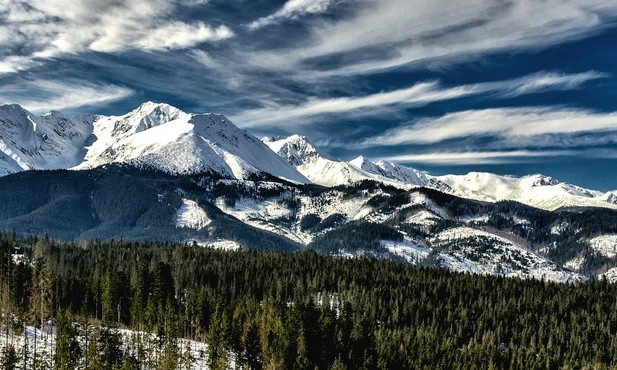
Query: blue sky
(511, 87)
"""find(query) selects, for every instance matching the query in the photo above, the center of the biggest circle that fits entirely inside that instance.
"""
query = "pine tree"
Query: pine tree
(9, 358)
(68, 351)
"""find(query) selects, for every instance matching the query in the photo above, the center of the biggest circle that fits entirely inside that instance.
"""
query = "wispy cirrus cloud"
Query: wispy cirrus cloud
(40, 29)
(388, 34)
(183, 36)
(41, 96)
(477, 157)
(495, 157)
(416, 95)
(292, 9)
(519, 125)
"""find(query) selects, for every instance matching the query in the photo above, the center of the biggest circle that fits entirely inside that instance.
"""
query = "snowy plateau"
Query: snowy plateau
(223, 188)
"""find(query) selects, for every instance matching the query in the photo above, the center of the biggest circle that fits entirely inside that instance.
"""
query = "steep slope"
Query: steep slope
(116, 202)
(51, 141)
(535, 190)
(397, 173)
(327, 171)
(317, 167)
(156, 136)
(162, 137)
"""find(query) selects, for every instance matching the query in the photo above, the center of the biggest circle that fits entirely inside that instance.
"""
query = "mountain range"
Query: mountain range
(158, 172)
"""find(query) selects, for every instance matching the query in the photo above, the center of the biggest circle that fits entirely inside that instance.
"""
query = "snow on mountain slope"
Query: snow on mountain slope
(606, 245)
(610, 275)
(477, 251)
(163, 137)
(191, 215)
(51, 141)
(322, 169)
(401, 174)
(609, 196)
(534, 190)
(315, 166)
(295, 149)
(154, 135)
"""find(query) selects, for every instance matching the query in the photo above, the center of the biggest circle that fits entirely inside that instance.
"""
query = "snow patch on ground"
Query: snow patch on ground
(477, 251)
(191, 215)
(408, 249)
(269, 215)
(605, 245)
(195, 353)
(575, 263)
(422, 217)
(610, 275)
(226, 245)
(474, 219)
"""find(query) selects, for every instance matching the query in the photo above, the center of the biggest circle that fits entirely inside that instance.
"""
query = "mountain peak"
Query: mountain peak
(359, 162)
(541, 180)
(295, 149)
(146, 116)
(14, 110)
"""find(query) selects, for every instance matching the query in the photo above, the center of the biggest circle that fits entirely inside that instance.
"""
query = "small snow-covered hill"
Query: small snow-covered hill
(535, 190)
(470, 250)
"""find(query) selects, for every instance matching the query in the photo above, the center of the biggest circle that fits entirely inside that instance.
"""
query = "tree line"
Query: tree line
(273, 310)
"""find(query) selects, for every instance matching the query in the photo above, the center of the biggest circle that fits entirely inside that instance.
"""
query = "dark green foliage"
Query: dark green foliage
(309, 221)
(355, 236)
(303, 310)
(68, 351)
(9, 359)
(118, 202)
(332, 221)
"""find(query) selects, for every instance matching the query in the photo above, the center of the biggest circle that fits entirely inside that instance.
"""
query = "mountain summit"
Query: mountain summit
(155, 136)
(161, 137)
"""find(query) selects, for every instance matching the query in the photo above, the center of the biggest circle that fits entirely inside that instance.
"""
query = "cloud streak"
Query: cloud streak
(292, 9)
(519, 124)
(478, 157)
(401, 33)
(41, 96)
(416, 95)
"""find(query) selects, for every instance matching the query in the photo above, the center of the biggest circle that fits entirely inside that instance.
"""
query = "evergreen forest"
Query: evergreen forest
(274, 310)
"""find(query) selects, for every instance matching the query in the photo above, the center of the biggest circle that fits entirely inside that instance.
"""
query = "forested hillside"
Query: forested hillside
(265, 309)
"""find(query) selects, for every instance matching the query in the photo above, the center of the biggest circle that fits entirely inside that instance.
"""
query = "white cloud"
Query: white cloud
(417, 95)
(49, 29)
(16, 63)
(517, 124)
(178, 35)
(481, 157)
(402, 32)
(292, 9)
(41, 96)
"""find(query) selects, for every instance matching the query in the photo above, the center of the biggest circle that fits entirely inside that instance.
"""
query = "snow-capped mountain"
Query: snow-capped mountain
(159, 136)
(535, 190)
(327, 171)
(156, 136)
(317, 167)
(398, 173)
(46, 142)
